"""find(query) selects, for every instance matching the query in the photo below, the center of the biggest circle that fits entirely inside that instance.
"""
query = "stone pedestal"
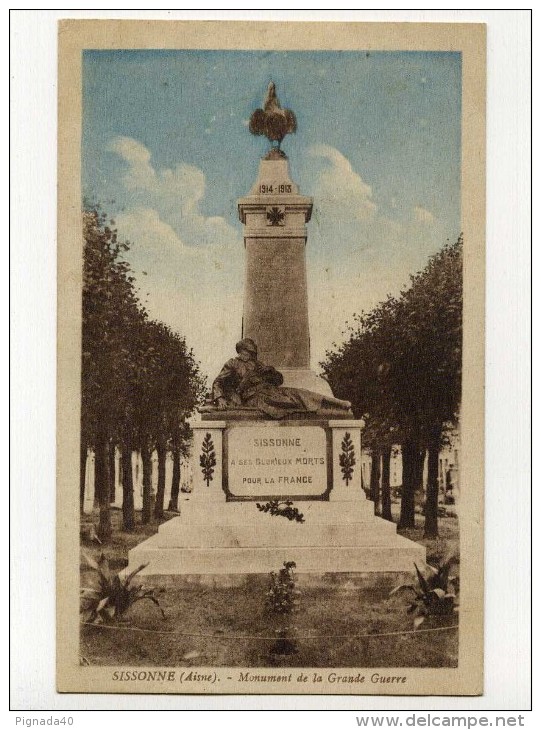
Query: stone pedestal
(314, 463)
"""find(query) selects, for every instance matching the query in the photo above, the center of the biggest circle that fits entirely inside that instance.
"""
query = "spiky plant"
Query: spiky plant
(435, 594)
(109, 597)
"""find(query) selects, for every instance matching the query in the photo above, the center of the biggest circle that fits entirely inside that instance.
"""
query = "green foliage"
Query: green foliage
(281, 509)
(401, 368)
(109, 597)
(110, 313)
(401, 362)
(435, 595)
(139, 379)
(347, 458)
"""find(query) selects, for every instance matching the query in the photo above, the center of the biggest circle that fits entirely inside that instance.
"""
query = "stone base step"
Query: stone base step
(241, 513)
(398, 555)
(275, 531)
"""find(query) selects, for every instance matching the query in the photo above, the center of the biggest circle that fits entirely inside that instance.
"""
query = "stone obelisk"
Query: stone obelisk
(275, 314)
(275, 294)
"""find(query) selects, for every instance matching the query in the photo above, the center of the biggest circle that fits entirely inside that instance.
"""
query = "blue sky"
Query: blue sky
(167, 152)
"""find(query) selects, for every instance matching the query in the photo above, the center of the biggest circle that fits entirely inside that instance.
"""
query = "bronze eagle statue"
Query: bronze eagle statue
(273, 121)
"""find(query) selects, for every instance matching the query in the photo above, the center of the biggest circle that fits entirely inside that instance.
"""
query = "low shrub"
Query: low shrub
(109, 597)
(435, 594)
(282, 601)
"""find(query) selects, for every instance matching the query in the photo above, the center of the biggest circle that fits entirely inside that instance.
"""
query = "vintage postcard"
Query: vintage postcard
(270, 357)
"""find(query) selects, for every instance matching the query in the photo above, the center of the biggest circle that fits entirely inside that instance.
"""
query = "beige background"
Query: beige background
(470, 39)
(33, 322)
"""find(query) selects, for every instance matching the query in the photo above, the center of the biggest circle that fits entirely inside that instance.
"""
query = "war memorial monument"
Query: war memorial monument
(272, 432)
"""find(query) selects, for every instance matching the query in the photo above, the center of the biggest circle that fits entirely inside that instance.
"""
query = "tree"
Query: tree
(139, 379)
(375, 475)
(109, 311)
(386, 483)
(168, 389)
(128, 507)
(429, 357)
(179, 448)
(401, 364)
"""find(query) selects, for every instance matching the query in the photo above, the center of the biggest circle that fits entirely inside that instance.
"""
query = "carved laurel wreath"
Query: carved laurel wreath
(347, 458)
(207, 459)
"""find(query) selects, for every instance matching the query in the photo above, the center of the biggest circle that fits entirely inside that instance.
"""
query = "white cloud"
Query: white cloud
(145, 227)
(131, 150)
(175, 194)
(193, 263)
(195, 290)
(340, 192)
(140, 173)
(422, 215)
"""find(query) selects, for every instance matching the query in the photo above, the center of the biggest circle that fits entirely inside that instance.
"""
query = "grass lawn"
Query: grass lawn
(214, 625)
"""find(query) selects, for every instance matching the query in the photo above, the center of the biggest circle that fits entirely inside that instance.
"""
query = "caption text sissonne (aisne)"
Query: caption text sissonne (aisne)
(249, 677)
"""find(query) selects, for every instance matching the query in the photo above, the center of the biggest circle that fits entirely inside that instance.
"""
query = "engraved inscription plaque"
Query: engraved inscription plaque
(276, 461)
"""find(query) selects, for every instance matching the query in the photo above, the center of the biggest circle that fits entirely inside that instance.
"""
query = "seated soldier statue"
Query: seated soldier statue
(244, 383)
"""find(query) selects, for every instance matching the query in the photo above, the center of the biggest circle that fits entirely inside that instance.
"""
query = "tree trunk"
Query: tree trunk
(386, 484)
(128, 509)
(175, 481)
(112, 472)
(375, 473)
(102, 488)
(160, 491)
(107, 475)
(407, 503)
(419, 468)
(83, 455)
(146, 512)
(120, 474)
(432, 487)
